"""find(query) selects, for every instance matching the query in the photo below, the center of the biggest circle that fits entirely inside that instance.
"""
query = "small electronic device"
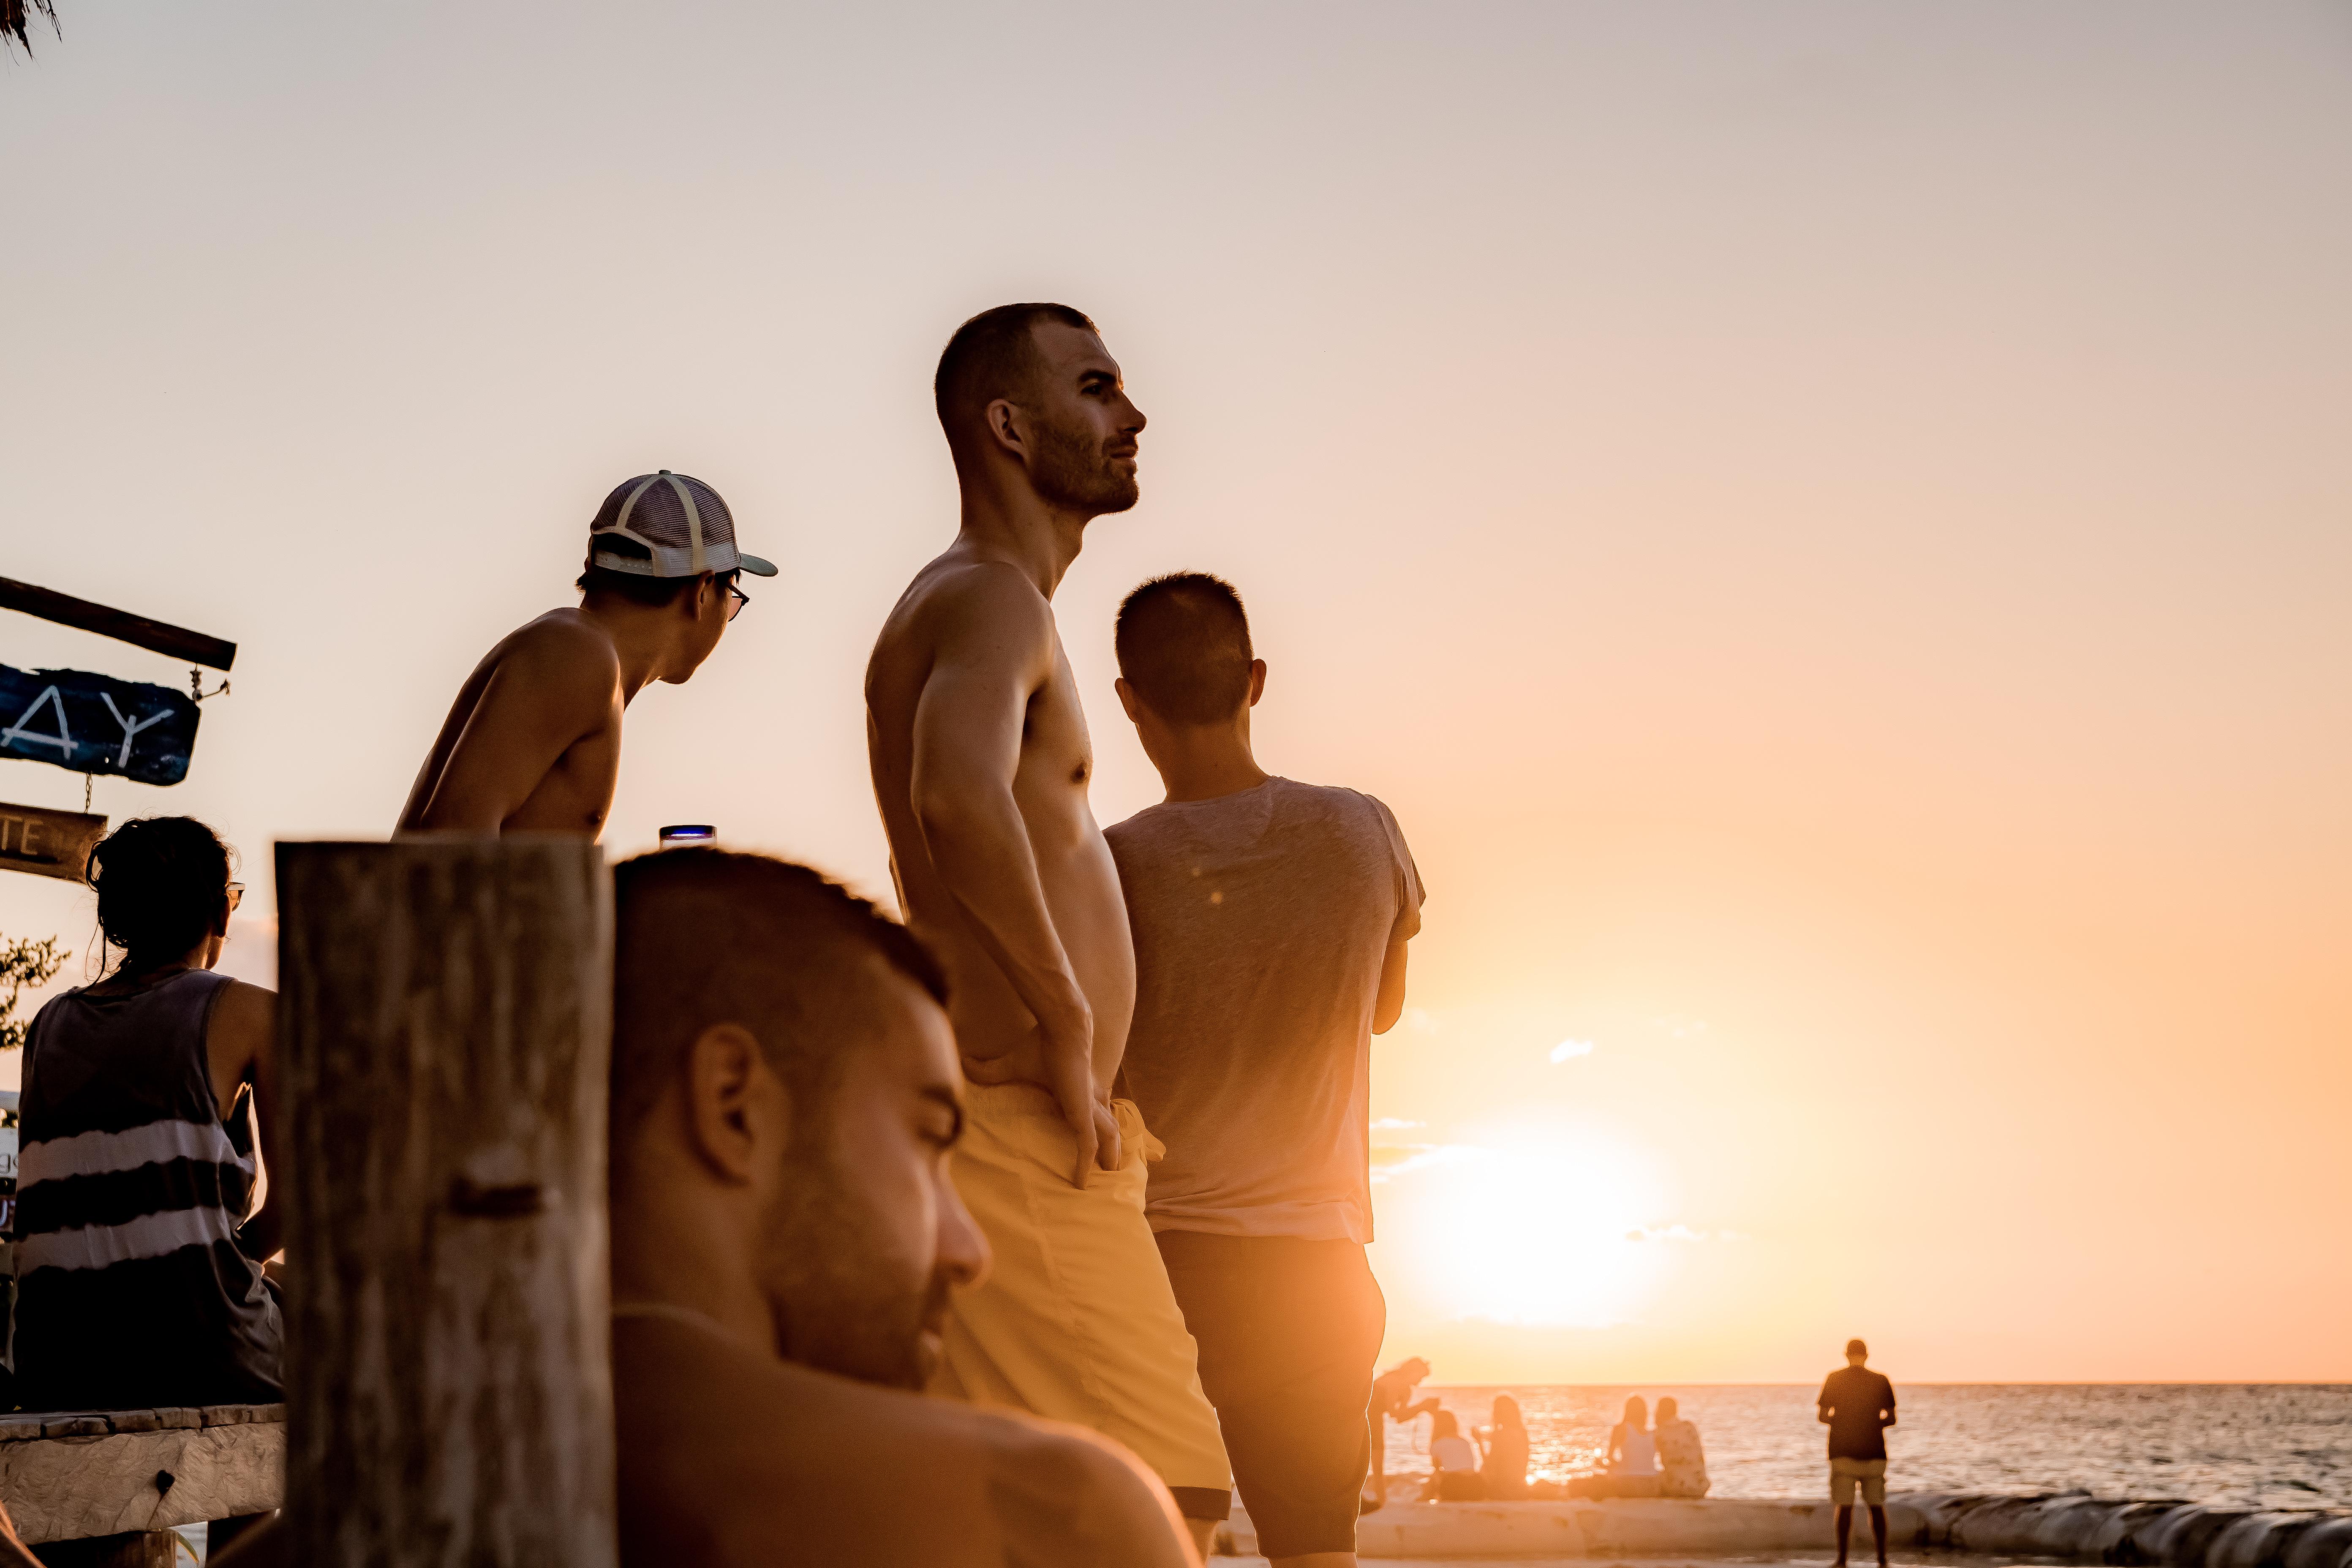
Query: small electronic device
(685, 835)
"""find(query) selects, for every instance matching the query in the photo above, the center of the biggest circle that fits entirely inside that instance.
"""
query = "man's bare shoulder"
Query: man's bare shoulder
(562, 648)
(958, 596)
(748, 1445)
(1069, 1496)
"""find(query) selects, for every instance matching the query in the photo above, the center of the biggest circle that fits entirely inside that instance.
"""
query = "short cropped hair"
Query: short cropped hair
(1856, 1347)
(705, 937)
(993, 355)
(1183, 644)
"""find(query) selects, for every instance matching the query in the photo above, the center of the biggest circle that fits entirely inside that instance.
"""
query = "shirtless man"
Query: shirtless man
(981, 762)
(785, 1237)
(533, 741)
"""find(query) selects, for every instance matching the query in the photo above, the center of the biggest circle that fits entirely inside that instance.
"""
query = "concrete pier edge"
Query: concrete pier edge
(2139, 1534)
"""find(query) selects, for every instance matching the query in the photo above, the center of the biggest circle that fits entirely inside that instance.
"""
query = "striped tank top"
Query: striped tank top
(131, 1292)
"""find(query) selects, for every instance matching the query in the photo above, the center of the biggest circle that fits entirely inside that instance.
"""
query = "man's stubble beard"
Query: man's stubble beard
(840, 1306)
(1073, 470)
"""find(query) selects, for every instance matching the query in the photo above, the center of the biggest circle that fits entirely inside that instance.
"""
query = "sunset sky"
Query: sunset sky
(1830, 524)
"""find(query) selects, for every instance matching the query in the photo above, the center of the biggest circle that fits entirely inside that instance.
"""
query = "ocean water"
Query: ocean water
(2262, 1446)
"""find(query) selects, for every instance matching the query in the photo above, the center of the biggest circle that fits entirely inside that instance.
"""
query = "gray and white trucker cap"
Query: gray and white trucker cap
(677, 525)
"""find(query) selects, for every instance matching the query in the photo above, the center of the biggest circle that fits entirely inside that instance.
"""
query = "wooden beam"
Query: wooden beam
(161, 636)
(70, 1475)
(444, 1025)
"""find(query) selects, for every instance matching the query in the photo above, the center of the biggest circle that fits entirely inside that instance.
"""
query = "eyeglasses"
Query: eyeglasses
(236, 896)
(736, 599)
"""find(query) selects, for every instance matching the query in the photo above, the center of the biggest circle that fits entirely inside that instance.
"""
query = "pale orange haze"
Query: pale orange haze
(1831, 525)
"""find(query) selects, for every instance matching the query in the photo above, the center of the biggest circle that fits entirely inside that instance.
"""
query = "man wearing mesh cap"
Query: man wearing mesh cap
(533, 741)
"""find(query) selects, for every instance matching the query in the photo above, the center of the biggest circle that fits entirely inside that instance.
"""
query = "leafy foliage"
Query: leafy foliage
(23, 962)
(14, 16)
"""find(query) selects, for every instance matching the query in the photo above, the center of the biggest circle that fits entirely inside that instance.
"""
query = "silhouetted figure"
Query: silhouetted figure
(1682, 1460)
(1453, 1463)
(1504, 1468)
(1392, 1400)
(1857, 1405)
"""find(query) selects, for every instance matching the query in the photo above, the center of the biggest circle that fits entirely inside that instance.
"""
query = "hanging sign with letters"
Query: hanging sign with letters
(47, 843)
(97, 724)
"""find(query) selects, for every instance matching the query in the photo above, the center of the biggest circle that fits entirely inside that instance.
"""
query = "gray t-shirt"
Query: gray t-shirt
(1261, 920)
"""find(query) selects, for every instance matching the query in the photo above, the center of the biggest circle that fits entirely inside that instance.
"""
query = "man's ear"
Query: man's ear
(736, 1107)
(1002, 420)
(1127, 698)
(1257, 680)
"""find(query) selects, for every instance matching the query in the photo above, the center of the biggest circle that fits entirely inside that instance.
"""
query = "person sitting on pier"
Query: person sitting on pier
(1682, 1459)
(1504, 1467)
(1453, 1463)
(786, 1237)
(1629, 1463)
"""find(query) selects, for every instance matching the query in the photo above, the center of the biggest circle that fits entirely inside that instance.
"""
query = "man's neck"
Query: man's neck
(1004, 519)
(1202, 761)
(641, 639)
(674, 1258)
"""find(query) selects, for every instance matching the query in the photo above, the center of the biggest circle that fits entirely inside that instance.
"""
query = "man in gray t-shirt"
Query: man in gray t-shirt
(1270, 922)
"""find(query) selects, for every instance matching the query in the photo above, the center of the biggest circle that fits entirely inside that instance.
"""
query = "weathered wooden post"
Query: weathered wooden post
(445, 1022)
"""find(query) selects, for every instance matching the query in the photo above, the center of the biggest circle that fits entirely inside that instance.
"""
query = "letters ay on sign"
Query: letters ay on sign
(97, 724)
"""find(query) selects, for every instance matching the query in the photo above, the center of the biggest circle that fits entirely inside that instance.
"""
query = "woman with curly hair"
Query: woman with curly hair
(139, 1269)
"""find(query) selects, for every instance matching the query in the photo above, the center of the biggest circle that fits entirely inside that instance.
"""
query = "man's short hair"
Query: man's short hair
(1183, 644)
(704, 937)
(1856, 1347)
(993, 355)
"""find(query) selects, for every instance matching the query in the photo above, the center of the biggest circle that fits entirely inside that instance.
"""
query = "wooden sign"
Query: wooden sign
(48, 843)
(96, 724)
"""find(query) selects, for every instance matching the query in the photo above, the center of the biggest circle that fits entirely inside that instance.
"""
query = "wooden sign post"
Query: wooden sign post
(444, 1028)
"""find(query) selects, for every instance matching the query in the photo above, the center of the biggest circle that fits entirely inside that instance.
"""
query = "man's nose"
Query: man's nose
(1135, 421)
(963, 1251)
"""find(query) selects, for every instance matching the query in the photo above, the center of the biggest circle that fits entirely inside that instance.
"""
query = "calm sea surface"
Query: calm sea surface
(2266, 1446)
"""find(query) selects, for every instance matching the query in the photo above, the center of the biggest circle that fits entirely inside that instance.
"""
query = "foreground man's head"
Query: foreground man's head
(785, 1092)
(785, 1235)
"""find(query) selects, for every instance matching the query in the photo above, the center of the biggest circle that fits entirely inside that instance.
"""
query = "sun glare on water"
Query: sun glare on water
(1541, 1232)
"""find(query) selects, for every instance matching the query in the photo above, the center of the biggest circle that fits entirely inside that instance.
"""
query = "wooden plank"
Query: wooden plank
(48, 843)
(71, 1487)
(158, 637)
(444, 1022)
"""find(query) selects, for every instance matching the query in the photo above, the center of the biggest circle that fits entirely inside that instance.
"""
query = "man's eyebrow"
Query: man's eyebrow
(941, 1094)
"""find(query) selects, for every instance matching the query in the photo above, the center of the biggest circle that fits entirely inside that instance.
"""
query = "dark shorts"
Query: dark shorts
(1287, 1331)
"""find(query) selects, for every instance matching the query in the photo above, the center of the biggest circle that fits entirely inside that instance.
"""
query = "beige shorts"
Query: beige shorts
(1870, 1474)
(1075, 1321)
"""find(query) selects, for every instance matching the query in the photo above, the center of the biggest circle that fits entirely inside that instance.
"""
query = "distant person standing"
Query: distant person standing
(533, 741)
(1857, 1405)
(1682, 1458)
(1270, 922)
(1392, 1400)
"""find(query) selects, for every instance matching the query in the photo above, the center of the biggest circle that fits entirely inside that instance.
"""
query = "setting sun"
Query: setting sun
(1530, 1231)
